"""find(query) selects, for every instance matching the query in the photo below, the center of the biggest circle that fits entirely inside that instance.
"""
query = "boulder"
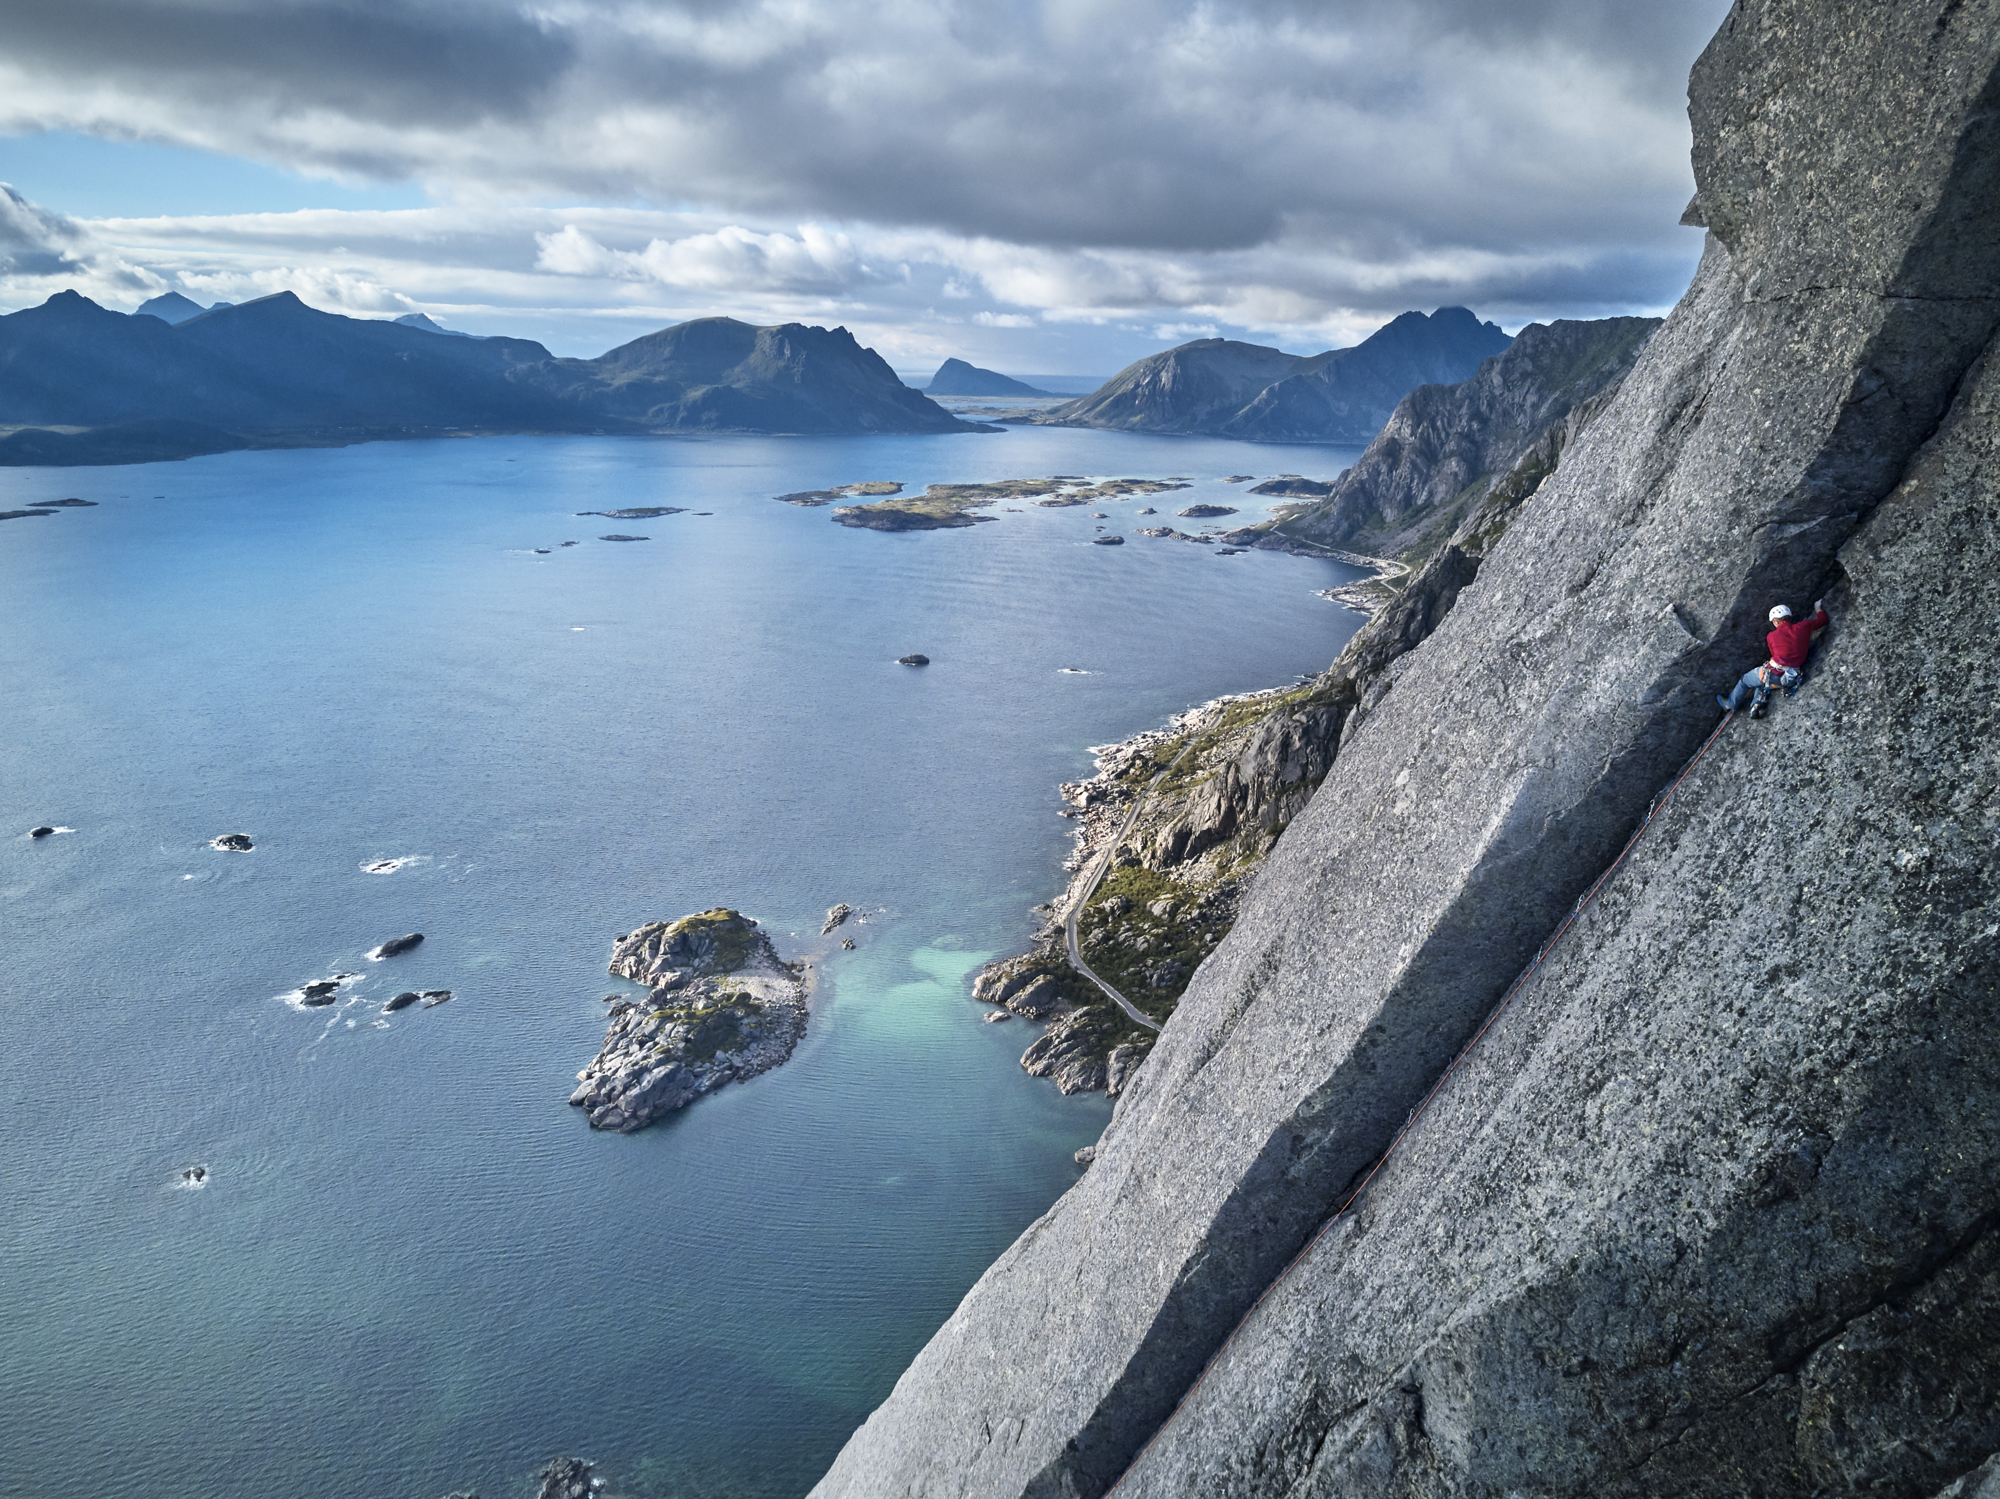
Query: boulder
(565, 1478)
(41, 832)
(915, 658)
(1108, 541)
(397, 945)
(401, 1002)
(235, 843)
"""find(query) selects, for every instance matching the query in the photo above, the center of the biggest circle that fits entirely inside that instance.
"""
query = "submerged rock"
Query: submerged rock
(235, 843)
(624, 538)
(397, 945)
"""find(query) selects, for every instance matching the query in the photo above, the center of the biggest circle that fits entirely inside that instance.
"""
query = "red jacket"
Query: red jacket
(1791, 639)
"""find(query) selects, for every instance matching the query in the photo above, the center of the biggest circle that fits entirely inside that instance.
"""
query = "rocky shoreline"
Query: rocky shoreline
(722, 1007)
(1169, 897)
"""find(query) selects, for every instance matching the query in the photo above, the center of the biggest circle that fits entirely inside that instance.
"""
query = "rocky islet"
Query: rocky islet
(721, 1007)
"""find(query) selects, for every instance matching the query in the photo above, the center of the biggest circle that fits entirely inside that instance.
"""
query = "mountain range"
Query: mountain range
(275, 372)
(1218, 387)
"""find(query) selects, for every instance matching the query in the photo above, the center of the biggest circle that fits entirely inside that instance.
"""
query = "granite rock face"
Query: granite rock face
(1711, 1209)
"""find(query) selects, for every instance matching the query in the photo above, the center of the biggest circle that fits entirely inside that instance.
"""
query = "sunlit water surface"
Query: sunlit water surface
(414, 1269)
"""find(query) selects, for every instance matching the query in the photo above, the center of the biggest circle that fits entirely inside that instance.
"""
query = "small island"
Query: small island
(723, 1008)
(944, 506)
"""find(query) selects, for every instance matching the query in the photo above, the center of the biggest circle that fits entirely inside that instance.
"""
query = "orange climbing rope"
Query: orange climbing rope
(1444, 1077)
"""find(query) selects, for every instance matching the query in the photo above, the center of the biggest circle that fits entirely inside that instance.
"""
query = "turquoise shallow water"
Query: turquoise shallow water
(415, 1269)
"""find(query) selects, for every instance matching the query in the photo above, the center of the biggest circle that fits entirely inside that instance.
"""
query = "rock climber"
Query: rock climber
(1790, 641)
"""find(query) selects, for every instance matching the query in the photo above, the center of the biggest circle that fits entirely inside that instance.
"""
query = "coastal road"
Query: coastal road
(1098, 866)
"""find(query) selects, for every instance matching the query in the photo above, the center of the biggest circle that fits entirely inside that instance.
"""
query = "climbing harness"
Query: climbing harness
(1652, 811)
(1771, 675)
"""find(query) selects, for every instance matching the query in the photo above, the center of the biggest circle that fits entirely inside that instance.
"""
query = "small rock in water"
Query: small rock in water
(915, 658)
(1149, 510)
(401, 1002)
(41, 832)
(569, 543)
(847, 944)
(320, 988)
(624, 538)
(435, 997)
(565, 1478)
(994, 1017)
(1109, 541)
(397, 945)
(195, 1176)
(235, 843)
(1086, 1155)
(541, 551)
(835, 916)
(1203, 512)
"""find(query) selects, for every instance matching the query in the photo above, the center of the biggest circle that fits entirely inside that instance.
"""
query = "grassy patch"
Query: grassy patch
(734, 939)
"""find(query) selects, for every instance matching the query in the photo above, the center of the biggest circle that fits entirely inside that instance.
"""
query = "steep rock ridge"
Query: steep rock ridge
(1243, 768)
(1222, 387)
(1721, 1211)
(1507, 760)
(1445, 446)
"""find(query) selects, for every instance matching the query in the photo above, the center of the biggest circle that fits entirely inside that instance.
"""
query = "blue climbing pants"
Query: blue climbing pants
(1756, 684)
(1745, 689)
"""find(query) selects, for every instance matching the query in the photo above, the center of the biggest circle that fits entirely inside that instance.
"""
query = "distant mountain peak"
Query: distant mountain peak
(170, 307)
(424, 324)
(957, 378)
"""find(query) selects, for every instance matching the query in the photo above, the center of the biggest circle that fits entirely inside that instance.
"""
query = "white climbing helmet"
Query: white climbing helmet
(1781, 612)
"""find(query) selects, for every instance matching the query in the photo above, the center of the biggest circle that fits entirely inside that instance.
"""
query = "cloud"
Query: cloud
(39, 248)
(1141, 124)
(1079, 178)
(34, 241)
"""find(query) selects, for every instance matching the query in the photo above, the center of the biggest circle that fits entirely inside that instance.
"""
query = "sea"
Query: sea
(409, 1268)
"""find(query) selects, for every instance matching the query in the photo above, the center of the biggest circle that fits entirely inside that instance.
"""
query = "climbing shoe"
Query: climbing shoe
(1723, 703)
(1759, 709)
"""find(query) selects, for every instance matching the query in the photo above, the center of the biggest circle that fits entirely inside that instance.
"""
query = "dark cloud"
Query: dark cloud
(1079, 122)
(451, 64)
(1289, 168)
(34, 241)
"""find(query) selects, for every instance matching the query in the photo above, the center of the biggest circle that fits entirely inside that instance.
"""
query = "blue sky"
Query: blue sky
(87, 177)
(1045, 186)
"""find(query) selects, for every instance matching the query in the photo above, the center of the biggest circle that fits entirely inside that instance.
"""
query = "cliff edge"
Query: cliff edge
(1711, 1209)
